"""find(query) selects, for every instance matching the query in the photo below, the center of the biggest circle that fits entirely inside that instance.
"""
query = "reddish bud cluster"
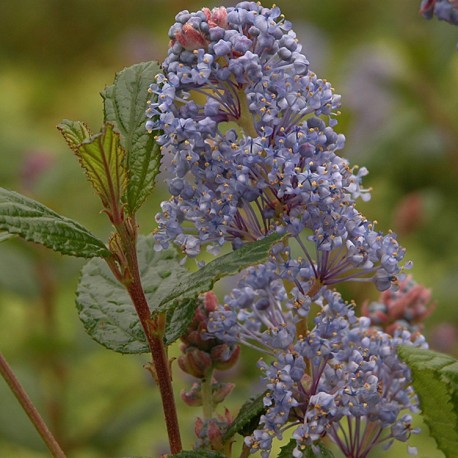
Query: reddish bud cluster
(210, 432)
(202, 354)
(192, 38)
(407, 307)
(220, 391)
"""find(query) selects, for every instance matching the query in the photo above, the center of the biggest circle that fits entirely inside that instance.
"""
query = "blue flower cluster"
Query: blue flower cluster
(337, 376)
(250, 129)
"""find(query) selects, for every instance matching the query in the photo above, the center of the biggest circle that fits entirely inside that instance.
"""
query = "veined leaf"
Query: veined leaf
(125, 104)
(180, 297)
(74, 133)
(435, 380)
(34, 222)
(102, 158)
(104, 306)
(106, 310)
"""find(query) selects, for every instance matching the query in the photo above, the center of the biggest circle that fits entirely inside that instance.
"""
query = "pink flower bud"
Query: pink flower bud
(193, 397)
(407, 307)
(210, 301)
(221, 391)
(217, 17)
(195, 362)
(190, 38)
(215, 435)
(210, 432)
(224, 356)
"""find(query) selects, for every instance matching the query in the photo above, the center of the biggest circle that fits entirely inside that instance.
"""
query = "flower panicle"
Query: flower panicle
(250, 129)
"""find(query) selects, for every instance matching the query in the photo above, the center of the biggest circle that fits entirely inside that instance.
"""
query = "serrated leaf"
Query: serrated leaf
(34, 222)
(74, 133)
(197, 454)
(247, 419)
(125, 104)
(105, 307)
(102, 157)
(435, 377)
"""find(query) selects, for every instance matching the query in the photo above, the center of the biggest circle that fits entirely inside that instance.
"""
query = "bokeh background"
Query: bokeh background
(398, 75)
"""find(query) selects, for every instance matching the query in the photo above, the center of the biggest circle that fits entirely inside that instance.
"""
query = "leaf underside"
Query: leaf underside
(105, 307)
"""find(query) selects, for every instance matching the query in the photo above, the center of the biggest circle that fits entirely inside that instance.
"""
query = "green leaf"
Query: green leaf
(179, 319)
(36, 223)
(180, 297)
(287, 450)
(102, 157)
(74, 133)
(197, 454)
(247, 419)
(307, 452)
(105, 307)
(125, 104)
(435, 380)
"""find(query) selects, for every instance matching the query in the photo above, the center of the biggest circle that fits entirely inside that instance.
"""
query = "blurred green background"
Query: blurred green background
(398, 75)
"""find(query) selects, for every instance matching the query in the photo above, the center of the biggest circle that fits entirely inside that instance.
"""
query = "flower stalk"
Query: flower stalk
(127, 270)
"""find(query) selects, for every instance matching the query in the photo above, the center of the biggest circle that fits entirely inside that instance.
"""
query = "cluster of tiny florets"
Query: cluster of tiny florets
(250, 130)
(337, 370)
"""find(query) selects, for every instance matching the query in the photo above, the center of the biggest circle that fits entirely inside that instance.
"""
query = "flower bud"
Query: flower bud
(195, 362)
(200, 352)
(210, 432)
(224, 356)
(221, 391)
(407, 307)
(193, 397)
(217, 17)
(190, 38)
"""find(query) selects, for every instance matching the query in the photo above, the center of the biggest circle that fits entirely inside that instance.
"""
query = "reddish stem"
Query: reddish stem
(154, 332)
(161, 368)
(30, 409)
